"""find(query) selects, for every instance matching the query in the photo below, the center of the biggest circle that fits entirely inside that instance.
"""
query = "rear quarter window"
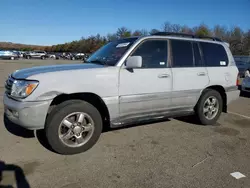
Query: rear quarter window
(214, 54)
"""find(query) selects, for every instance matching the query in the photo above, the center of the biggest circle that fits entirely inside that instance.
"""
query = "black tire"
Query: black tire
(59, 113)
(199, 107)
(28, 57)
(42, 57)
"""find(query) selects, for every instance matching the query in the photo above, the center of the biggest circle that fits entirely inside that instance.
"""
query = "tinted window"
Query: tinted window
(182, 53)
(154, 54)
(197, 55)
(214, 54)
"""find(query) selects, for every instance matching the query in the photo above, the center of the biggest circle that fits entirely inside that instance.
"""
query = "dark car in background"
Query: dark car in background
(243, 64)
(242, 67)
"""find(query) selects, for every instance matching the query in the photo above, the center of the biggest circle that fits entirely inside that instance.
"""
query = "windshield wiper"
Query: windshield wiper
(99, 62)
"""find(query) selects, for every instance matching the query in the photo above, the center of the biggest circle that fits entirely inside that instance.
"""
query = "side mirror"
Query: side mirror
(134, 62)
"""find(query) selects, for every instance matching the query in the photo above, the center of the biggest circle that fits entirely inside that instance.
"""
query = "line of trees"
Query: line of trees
(238, 39)
(21, 47)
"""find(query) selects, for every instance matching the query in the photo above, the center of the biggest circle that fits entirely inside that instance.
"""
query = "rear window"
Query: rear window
(214, 54)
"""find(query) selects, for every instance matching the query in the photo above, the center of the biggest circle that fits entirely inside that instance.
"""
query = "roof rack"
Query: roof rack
(186, 35)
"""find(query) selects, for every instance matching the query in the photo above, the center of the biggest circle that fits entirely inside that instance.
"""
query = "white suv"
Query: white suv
(126, 81)
(36, 54)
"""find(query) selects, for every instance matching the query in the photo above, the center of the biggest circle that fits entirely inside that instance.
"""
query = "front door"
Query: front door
(146, 90)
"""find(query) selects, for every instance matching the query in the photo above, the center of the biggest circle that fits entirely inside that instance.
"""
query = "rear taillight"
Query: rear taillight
(238, 80)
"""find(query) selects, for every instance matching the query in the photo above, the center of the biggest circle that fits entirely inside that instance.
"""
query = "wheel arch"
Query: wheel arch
(222, 92)
(91, 98)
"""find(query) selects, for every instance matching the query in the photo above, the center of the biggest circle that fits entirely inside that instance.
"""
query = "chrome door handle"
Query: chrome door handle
(163, 76)
(201, 74)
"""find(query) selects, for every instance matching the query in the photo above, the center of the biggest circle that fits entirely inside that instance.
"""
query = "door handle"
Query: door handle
(163, 76)
(201, 74)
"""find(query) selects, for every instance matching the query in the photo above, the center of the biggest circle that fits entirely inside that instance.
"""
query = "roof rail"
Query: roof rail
(186, 35)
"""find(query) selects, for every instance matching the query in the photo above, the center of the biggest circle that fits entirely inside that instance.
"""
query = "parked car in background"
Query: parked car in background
(85, 58)
(126, 81)
(242, 67)
(54, 55)
(245, 86)
(36, 55)
(77, 56)
(242, 58)
(7, 54)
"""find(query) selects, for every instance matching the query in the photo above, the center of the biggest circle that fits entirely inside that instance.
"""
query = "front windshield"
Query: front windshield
(111, 53)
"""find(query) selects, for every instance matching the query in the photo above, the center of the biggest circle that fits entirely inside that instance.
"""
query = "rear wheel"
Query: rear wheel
(209, 107)
(73, 127)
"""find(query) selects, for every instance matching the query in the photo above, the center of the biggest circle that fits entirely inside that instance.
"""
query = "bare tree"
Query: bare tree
(176, 28)
(123, 32)
(166, 27)
(153, 31)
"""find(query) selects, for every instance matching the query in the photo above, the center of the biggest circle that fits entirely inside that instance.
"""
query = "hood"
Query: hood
(25, 73)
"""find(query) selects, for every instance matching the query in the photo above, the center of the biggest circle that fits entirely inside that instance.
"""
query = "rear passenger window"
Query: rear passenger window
(182, 53)
(214, 54)
(197, 55)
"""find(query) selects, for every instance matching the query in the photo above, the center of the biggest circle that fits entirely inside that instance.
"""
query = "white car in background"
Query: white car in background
(8, 55)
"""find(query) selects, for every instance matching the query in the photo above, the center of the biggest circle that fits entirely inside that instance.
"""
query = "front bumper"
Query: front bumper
(30, 115)
(245, 89)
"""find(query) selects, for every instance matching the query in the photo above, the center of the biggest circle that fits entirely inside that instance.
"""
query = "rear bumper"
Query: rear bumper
(232, 95)
(30, 115)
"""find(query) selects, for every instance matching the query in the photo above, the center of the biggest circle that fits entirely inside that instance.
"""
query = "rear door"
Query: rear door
(190, 76)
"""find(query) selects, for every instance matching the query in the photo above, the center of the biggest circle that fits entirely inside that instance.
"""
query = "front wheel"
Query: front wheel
(73, 127)
(209, 107)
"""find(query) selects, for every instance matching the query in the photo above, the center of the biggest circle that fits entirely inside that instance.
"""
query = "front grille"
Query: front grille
(8, 85)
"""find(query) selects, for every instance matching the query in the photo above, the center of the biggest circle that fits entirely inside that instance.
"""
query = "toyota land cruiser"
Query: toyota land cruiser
(125, 81)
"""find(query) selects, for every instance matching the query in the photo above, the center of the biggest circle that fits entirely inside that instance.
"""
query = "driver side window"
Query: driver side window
(154, 53)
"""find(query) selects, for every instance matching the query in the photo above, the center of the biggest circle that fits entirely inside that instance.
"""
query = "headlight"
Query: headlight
(23, 88)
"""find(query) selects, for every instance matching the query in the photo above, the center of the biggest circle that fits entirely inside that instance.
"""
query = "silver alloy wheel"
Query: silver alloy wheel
(211, 108)
(76, 129)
